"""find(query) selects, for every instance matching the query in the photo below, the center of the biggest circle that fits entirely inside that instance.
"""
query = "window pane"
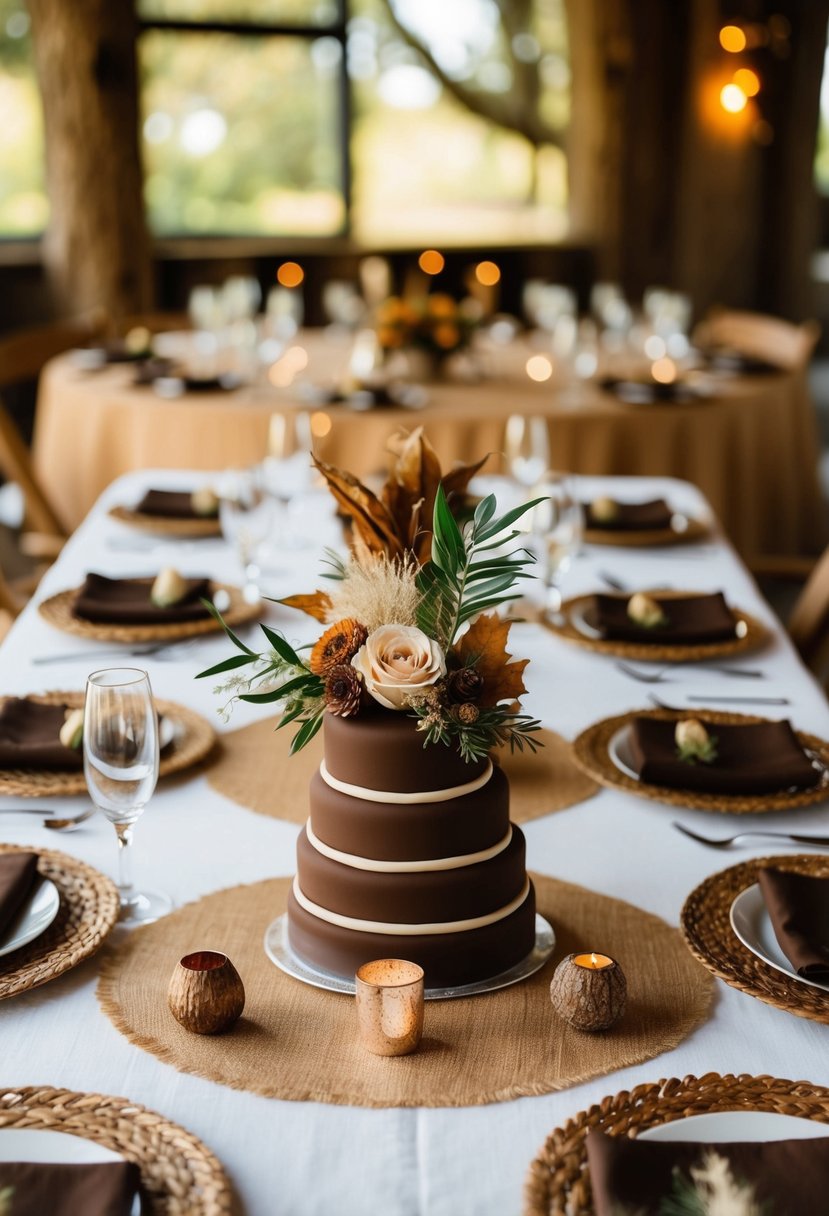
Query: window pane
(23, 206)
(288, 12)
(241, 134)
(426, 167)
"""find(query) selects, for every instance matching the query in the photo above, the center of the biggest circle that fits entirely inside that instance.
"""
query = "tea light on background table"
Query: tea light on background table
(589, 991)
(390, 1006)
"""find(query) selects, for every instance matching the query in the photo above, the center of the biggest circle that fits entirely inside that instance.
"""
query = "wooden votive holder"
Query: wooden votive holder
(390, 1006)
(589, 991)
(206, 993)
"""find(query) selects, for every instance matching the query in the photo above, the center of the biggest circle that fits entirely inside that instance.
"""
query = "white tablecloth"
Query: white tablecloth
(308, 1158)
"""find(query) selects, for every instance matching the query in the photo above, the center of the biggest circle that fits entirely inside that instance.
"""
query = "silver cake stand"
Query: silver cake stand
(280, 953)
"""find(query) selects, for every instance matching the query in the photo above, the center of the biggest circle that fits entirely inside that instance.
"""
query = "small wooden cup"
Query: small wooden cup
(589, 991)
(206, 993)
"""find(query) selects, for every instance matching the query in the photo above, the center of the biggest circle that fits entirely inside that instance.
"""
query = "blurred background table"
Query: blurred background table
(750, 445)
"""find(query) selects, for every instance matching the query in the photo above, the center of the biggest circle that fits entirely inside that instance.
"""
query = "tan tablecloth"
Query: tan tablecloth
(752, 448)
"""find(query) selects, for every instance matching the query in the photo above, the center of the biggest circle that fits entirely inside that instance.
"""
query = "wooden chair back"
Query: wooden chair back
(769, 339)
(808, 623)
(22, 357)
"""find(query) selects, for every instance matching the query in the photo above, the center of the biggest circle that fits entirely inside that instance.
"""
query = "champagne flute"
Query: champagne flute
(558, 526)
(527, 448)
(120, 760)
(246, 516)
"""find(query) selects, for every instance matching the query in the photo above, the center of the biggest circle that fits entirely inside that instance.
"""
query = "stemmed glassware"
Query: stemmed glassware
(246, 515)
(526, 448)
(287, 466)
(558, 526)
(121, 754)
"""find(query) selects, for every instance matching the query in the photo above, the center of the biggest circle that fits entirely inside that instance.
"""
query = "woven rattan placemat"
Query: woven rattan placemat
(57, 610)
(194, 740)
(88, 910)
(179, 1175)
(590, 750)
(647, 538)
(559, 1184)
(300, 1043)
(253, 767)
(706, 924)
(161, 525)
(756, 635)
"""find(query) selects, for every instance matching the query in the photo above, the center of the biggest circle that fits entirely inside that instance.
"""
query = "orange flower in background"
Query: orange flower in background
(389, 337)
(446, 336)
(337, 645)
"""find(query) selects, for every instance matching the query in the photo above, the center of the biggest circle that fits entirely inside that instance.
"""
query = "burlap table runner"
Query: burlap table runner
(253, 768)
(299, 1043)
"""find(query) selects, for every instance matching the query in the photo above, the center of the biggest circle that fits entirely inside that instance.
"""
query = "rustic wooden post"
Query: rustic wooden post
(96, 249)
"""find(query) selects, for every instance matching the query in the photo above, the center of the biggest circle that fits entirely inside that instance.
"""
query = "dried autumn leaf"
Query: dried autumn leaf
(457, 480)
(485, 645)
(371, 518)
(411, 487)
(317, 605)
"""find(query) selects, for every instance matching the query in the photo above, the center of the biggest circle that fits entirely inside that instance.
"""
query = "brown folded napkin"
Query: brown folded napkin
(18, 877)
(29, 737)
(126, 601)
(752, 758)
(632, 517)
(690, 619)
(169, 504)
(798, 906)
(784, 1177)
(107, 1189)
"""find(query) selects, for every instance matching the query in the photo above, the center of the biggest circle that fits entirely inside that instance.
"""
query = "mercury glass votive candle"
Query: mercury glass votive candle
(390, 1006)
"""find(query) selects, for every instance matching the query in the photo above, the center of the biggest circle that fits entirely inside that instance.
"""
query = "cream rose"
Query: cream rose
(397, 660)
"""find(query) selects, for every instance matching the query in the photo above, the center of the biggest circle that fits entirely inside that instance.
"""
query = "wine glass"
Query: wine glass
(557, 526)
(120, 761)
(246, 516)
(287, 467)
(526, 448)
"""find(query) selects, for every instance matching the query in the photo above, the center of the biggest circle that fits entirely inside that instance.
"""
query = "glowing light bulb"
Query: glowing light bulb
(539, 368)
(732, 98)
(748, 81)
(487, 273)
(732, 39)
(290, 274)
(431, 262)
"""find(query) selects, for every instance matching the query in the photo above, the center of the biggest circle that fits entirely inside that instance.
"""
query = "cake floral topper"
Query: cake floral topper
(410, 616)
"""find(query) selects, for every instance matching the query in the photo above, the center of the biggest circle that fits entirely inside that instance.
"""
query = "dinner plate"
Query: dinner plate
(751, 922)
(56, 1148)
(735, 1126)
(620, 752)
(33, 920)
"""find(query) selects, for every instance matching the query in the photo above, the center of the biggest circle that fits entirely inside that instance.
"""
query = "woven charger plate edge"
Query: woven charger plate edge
(179, 1174)
(72, 937)
(705, 923)
(57, 611)
(197, 743)
(757, 635)
(160, 525)
(590, 751)
(558, 1182)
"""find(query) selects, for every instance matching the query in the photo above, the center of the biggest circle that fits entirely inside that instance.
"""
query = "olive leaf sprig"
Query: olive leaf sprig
(289, 680)
(465, 575)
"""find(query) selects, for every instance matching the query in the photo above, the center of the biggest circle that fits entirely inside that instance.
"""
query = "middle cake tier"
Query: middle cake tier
(447, 889)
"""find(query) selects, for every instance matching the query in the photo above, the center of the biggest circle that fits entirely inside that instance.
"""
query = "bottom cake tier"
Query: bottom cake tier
(448, 959)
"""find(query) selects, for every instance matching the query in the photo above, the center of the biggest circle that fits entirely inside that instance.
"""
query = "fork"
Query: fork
(725, 841)
(55, 823)
(659, 677)
(138, 652)
(723, 700)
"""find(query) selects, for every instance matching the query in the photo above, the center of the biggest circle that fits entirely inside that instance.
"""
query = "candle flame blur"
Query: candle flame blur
(290, 274)
(732, 39)
(431, 262)
(539, 368)
(487, 273)
(748, 81)
(732, 98)
(664, 371)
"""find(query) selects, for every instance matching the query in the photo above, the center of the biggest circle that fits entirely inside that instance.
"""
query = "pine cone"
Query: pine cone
(465, 684)
(343, 691)
(337, 645)
(468, 713)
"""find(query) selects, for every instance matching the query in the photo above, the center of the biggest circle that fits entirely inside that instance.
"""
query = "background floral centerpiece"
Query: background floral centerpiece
(433, 323)
(410, 617)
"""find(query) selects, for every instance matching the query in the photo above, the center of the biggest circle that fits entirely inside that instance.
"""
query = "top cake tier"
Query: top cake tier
(382, 750)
